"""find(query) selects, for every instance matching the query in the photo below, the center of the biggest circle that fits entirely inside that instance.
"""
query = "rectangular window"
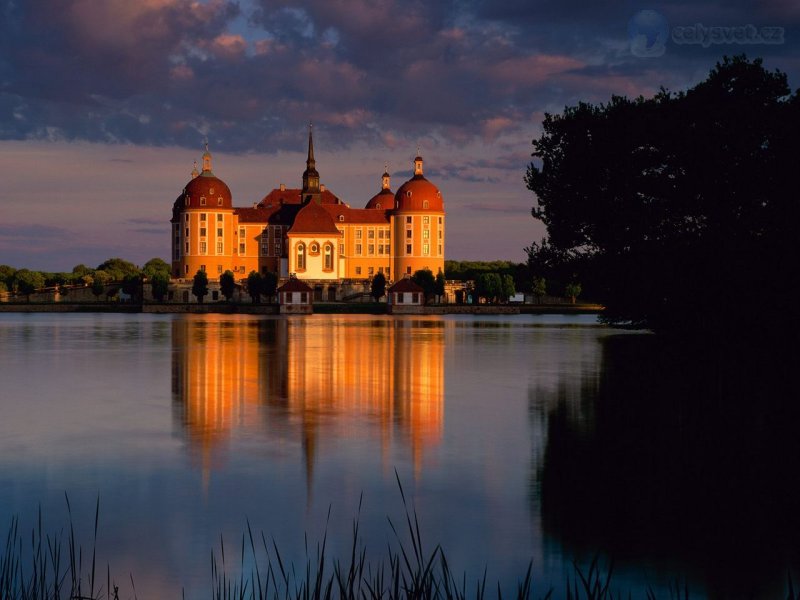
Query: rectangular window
(303, 297)
(380, 248)
(440, 234)
(241, 249)
(399, 296)
(219, 201)
(408, 248)
(386, 249)
(202, 247)
(380, 234)
(219, 231)
(219, 247)
(440, 249)
(202, 217)
(202, 201)
(408, 220)
(358, 249)
(371, 234)
(415, 298)
(219, 218)
(408, 233)
(425, 249)
(358, 270)
(426, 220)
(371, 249)
(202, 232)
(277, 248)
(440, 220)
(358, 233)
(186, 217)
(388, 234)
(426, 234)
(187, 248)
(341, 249)
(242, 232)
(187, 232)
(371, 271)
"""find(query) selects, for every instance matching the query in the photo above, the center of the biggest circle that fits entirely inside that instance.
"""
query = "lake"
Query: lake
(515, 438)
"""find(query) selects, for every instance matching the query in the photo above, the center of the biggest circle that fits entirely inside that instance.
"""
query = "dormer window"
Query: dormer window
(378, 205)
(219, 201)
(408, 194)
(341, 217)
(425, 204)
(202, 200)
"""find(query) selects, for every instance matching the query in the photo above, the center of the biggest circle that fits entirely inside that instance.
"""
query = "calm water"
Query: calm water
(543, 438)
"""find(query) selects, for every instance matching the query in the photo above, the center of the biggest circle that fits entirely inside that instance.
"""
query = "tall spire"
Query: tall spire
(311, 176)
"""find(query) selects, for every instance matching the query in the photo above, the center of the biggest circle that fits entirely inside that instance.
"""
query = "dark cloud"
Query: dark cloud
(384, 72)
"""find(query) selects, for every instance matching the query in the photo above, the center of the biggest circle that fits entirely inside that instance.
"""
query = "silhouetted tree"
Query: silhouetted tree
(378, 289)
(27, 282)
(132, 285)
(674, 201)
(425, 279)
(159, 284)
(118, 268)
(439, 286)
(155, 266)
(254, 286)
(269, 285)
(227, 284)
(200, 285)
(507, 288)
(489, 286)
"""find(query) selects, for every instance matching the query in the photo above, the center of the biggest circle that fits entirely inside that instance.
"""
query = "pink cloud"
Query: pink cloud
(493, 127)
(181, 73)
(229, 46)
(534, 69)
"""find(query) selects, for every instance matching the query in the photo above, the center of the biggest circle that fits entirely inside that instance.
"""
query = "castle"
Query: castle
(308, 232)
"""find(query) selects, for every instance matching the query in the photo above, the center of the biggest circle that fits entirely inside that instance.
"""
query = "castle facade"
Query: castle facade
(308, 232)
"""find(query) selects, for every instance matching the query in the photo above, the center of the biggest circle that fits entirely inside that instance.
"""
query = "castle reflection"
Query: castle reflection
(273, 379)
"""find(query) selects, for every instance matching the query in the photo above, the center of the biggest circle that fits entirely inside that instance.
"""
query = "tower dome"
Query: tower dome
(418, 194)
(205, 190)
(385, 198)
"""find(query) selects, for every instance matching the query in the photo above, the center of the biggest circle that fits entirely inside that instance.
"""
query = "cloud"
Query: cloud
(31, 231)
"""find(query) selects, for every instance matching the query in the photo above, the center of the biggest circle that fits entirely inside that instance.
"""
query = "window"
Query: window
(277, 248)
(219, 218)
(358, 233)
(264, 244)
(301, 257)
(185, 269)
(371, 271)
(440, 249)
(303, 297)
(408, 233)
(242, 249)
(408, 248)
(341, 249)
(186, 217)
(425, 204)
(219, 247)
(187, 232)
(371, 249)
(426, 249)
(219, 269)
(358, 270)
(380, 248)
(358, 249)
(203, 247)
(328, 260)
(440, 220)
(386, 249)
(408, 220)
(426, 234)
(408, 270)
(371, 234)
(219, 201)
(202, 232)
(203, 268)
(415, 298)
(380, 234)
(426, 220)
(440, 234)
(341, 217)
(388, 234)
(314, 249)
(187, 248)
(202, 200)
(399, 296)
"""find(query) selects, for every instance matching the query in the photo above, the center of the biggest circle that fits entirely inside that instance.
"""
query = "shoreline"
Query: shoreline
(273, 309)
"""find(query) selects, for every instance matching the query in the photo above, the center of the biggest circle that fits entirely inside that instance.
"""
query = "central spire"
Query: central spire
(310, 176)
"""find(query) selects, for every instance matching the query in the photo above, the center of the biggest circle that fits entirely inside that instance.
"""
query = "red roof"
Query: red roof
(294, 196)
(356, 215)
(205, 187)
(313, 218)
(405, 285)
(384, 198)
(254, 215)
(295, 285)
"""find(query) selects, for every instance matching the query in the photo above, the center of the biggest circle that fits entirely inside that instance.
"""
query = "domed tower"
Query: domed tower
(383, 200)
(418, 226)
(203, 228)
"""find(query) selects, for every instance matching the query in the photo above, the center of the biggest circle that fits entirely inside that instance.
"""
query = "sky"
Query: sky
(105, 104)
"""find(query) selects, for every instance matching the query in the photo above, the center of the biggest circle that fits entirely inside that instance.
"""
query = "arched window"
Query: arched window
(328, 264)
(301, 257)
(425, 204)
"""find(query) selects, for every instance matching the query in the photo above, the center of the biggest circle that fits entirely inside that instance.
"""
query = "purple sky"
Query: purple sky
(104, 104)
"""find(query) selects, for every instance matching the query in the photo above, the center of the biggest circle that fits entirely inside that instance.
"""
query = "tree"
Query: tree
(680, 197)
(132, 286)
(98, 287)
(424, 278)
(200, 285)
(439, 285)
(254, 286)
(507, 288)
(118, 268)
(488, 286)
(539, 287)
(227, 284)
(7, 275)
(378, 289)
(155, 266)
(159, 284)
(572, 291)
(269, 284)
(28, 282)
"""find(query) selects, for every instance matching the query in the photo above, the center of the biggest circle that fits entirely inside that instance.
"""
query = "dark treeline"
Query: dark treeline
(677, 211)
